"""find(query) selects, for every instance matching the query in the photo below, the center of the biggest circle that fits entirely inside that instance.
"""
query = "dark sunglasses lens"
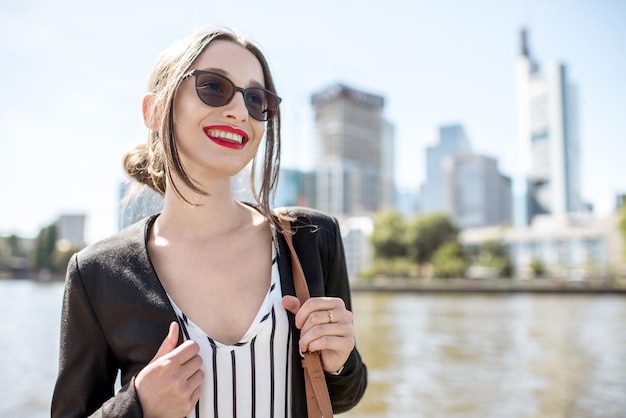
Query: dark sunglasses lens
(214, 89)
(261, 104)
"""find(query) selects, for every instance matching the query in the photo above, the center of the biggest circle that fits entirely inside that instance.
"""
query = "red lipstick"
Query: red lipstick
(227, 136)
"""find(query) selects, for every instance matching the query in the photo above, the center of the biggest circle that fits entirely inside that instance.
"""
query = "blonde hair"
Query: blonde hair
(152, 163)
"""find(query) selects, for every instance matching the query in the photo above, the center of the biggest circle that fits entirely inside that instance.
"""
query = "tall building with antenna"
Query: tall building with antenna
(547, 119)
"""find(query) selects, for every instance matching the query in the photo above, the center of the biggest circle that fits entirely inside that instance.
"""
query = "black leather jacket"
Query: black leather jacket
(116, 314)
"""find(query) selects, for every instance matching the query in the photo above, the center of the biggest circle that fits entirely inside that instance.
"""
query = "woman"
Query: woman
(195, 306)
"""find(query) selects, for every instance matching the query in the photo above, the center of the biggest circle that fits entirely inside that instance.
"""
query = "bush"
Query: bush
(537, 268)
(449, 261)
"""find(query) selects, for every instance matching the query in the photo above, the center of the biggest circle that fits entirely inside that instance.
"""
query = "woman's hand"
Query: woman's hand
(170, 385)
(326, 326)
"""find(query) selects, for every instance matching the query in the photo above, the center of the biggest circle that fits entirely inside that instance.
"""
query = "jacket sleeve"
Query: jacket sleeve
(87, 366)
(319, 246)
(346, 389)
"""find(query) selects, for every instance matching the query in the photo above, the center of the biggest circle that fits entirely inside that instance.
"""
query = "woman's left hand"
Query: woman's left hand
(325, 326)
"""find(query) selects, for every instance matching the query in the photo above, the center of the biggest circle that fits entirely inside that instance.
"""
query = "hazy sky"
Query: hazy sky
(73, 73)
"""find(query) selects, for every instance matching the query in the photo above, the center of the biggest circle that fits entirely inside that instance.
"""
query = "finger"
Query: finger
(326, 318)
(322, 304)
(169, 343)
(195, 380)
(190, 367)
(334, 351)
(343, 344)
(311, 339)
(195, 396)
(291, 303)
(185, 352)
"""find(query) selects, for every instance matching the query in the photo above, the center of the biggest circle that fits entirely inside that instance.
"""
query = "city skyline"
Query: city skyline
(434, 65)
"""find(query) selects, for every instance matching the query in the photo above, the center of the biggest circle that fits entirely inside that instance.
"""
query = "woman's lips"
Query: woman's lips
(227, 136)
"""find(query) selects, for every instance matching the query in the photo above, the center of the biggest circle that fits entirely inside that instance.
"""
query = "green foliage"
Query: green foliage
(13, 242)
(391, 268)
(449, 261)
(426, 234)
(48, 253)
(401, 246)
(389, 236)
(537, 268)
(493, 254)
(12, 255)
(45, 246)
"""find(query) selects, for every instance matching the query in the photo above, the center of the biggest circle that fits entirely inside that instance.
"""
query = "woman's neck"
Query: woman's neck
(203, 216)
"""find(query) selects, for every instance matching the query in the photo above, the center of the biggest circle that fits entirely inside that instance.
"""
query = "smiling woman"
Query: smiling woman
(195, 307)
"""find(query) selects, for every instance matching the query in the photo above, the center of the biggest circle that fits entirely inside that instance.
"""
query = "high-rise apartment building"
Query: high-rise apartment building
(355, 172)
(548, 135)
(452, 141)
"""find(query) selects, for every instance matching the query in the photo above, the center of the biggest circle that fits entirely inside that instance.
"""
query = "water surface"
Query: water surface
(429, 355)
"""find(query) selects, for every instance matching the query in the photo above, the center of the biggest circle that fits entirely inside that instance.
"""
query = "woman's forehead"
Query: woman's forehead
(233, 60)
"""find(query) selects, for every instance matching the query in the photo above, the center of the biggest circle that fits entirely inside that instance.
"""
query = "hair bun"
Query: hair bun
(145, 167)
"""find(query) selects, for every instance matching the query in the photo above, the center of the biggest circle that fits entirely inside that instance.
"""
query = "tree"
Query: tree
(449, 261)
(537, 268)
(14, 245)
(45, 246)
(426, 234)
(388, 238)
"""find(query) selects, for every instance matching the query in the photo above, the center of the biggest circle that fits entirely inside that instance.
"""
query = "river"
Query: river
(428, 355)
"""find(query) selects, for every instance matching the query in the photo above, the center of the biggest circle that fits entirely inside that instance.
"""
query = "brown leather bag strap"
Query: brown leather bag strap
(317, 396)
(299, 281)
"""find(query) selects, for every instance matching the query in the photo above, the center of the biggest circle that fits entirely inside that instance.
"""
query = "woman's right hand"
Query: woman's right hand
(169, 386)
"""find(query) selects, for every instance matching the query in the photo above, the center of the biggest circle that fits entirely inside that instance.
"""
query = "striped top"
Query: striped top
(251, 378)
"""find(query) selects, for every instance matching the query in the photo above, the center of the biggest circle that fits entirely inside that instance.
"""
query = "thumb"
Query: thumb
(291, 303)
(169, 343)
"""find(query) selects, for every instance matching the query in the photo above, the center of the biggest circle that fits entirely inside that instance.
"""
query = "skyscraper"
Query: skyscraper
(136, 202)
(478, 194)
(548, 136)
(295, 188)
(452, 141)
(355, 174)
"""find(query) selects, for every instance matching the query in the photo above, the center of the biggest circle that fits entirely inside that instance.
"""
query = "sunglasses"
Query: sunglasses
(216, 90)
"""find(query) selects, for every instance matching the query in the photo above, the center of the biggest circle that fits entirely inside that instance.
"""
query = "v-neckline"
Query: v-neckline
(255, 326)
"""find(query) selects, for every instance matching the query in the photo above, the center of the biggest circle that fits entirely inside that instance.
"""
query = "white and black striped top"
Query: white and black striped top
(251, 378)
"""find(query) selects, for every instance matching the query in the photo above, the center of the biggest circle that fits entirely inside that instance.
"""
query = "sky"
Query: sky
(73, 73)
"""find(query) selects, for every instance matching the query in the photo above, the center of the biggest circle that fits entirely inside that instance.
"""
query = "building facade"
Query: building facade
(355, 174)
(295, 188)
(477, 193)
(571, 247)
(452, 141)
(136, 202)
(71, 231)
(547, 118)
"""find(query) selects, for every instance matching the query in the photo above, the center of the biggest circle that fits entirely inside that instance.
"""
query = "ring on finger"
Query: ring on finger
(330, 317)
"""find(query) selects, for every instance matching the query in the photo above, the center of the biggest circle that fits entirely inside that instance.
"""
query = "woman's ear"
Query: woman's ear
(149, 110)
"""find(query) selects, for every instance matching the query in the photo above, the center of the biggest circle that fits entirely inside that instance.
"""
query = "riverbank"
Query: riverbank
(592, 286)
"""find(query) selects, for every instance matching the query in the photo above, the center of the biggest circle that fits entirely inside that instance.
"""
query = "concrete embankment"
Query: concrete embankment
(490, 286)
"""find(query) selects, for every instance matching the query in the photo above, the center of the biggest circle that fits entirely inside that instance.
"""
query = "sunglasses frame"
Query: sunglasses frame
(269, 113)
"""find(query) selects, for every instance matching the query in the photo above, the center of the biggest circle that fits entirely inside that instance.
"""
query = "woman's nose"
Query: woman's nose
(237, 107)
